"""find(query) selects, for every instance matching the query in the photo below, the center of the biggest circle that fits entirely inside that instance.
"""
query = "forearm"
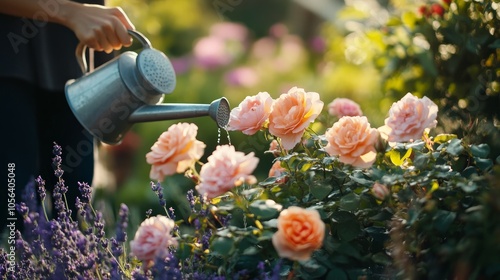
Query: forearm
(56, 11)
(97, 26)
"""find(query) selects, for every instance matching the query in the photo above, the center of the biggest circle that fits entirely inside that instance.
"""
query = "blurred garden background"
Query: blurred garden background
(370, 51)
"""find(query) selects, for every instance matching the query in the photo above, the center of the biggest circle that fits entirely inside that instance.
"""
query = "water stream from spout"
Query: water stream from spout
(228, 137)
(219, 136)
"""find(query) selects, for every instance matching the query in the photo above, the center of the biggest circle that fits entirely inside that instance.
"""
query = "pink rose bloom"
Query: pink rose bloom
(242, 77)
(409, 118)
(380, 191)
(292, 113)
(225, 169)
(230, 31)
(211, 53)
(300, 233)
(341, 107)
(175, 151)
(153, 239)
(353, 140)
(252, 113)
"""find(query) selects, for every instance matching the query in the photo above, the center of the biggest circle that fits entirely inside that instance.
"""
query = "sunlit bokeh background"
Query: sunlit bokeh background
(237, 48)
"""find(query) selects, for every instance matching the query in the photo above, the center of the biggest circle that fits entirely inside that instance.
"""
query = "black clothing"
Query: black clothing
(36, 60)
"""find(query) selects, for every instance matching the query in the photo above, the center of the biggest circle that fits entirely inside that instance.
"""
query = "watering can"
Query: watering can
(130, 89)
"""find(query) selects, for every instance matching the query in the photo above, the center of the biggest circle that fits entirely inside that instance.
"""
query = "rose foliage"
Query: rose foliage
(342, 201)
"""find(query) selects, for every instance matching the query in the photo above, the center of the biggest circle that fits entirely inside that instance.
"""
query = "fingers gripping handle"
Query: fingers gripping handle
(81, 48)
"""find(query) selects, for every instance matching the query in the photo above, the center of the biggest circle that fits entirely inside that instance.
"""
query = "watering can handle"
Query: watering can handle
(81, 48)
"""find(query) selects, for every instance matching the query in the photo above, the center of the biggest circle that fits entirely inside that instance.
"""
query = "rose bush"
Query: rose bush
(419, 208)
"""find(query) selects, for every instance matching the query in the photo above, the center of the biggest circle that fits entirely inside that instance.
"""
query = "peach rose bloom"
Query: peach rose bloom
(175, 151)
(274, 148)
(225, 169)
(292, 113)
(252, 113)
(353, 140)
(300, 233)
(409, 118)
(276, 169)
(153, 239)
(380, 191)
(341, 107)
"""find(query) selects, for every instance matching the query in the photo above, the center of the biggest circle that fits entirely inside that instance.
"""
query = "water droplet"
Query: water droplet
(218, 136)
(228, 137)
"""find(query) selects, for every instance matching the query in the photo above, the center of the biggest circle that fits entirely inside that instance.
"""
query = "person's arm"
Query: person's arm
(99, 27)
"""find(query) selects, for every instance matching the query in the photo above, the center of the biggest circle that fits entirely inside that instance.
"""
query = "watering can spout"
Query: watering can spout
(218, 110)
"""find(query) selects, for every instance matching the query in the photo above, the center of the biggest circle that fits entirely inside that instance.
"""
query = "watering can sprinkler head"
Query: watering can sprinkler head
(129, 89)
(218, 110)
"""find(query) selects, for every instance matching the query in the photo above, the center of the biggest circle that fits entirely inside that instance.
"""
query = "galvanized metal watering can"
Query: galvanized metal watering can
(130, 89)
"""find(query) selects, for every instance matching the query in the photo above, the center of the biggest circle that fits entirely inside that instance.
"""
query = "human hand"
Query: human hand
(99, 27)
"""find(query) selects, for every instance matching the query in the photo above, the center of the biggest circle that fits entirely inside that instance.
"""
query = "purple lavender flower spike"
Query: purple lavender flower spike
(171, 213)
(41, 187)
(29, 195)
(56, 149)
(158, 189)
(121, 229)
(205, 239)
(86, 191)
(191, 200)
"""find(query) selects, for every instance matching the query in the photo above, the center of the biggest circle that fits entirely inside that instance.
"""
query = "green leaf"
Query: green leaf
(382, 258)
(468, 187)
(443, 138)
(269, 181)
(443, 219)
(265, 209)
(349, 250)
(421, 161)
(320, 190)
(349, 202)
(396, 158)
(361, 181)
(250, 251)
(337, 274)
(483, 163)
(222, 245)
(481, 150)
(383, 215)
(343, 216)
(455, 147)
(184, 250)
(313, 269)
(469, 171)
(495, 44)
(348, 231)
(427, 62)
(305, 166)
